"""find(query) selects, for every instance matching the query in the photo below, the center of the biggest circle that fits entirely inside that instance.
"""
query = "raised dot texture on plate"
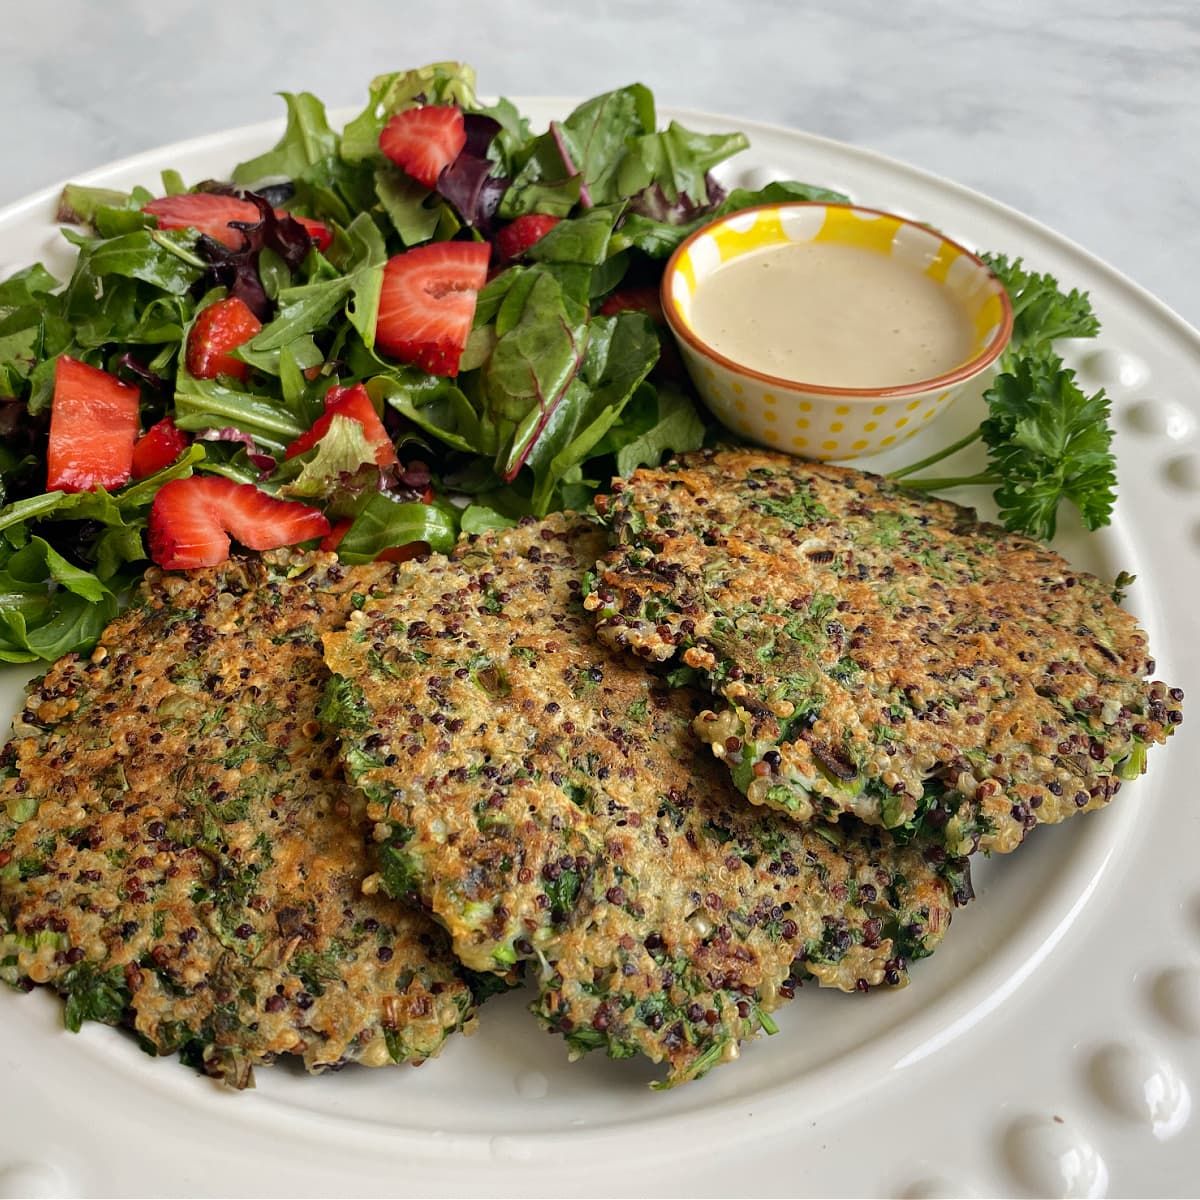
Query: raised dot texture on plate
(32, 1180)
(934, 1187)
(531, 1085)
(1116, 368)
(1140, 1085)
(1184, 472)
(1176, 996)
(1050, 1158)
(1161, 417)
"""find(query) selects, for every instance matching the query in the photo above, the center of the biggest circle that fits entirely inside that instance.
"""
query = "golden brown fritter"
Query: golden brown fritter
(547, 800)
(879, 653)
(179, 851)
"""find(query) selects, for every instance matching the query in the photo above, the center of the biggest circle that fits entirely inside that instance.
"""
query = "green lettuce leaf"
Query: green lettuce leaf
(306, 140)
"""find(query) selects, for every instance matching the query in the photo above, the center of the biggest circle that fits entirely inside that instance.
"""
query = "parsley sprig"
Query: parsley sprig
(1047, 440)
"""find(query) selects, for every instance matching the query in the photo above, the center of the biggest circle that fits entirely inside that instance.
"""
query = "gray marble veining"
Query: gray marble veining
(1082, 113)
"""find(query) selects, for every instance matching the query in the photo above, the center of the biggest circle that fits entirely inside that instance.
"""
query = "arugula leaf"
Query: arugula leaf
(306, 140)
(81, 205)
(29, 286)
(305, 309)
(211, 404)
(385, 522)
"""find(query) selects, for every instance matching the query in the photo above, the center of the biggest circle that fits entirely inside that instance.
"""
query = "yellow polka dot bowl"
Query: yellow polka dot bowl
(817, 421)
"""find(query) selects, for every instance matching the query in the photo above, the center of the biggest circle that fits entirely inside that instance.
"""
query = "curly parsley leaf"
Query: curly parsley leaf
(1042, 312)
(1048, 441)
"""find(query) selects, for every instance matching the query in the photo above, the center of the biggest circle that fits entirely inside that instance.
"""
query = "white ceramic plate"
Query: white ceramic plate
(1049, 1047)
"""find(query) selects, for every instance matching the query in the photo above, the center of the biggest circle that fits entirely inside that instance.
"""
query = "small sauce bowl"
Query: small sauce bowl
(821, 421)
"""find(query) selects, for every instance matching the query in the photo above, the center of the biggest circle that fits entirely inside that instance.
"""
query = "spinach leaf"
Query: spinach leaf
(479, 518)
(532, 364)
(620, 352)
(676, 426)
(385, 522)
(164, 258)
(439, 407)
(595, 138)
(406, 203)
(579, 240)
(677, 160)
(544, 183)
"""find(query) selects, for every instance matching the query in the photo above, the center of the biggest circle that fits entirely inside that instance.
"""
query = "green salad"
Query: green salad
(435, 321)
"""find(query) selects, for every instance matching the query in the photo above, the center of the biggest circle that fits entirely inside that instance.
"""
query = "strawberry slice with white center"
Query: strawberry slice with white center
(191, 521)
(427, 303)
(423, 142)
(206, 211)
(93, 425)
(212, 214)
(355, 403)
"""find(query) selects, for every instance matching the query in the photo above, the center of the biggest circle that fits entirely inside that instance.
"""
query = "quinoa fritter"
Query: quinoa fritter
(179, 851)
(547, 800)
(879, 653)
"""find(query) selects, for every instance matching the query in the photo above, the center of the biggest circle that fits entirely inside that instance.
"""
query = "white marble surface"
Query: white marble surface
(1083, 113)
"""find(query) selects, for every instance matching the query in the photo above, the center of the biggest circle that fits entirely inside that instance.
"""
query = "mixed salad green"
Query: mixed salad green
(269, 331)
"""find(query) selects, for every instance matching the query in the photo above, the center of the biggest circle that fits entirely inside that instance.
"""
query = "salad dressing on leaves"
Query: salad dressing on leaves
(832, 315)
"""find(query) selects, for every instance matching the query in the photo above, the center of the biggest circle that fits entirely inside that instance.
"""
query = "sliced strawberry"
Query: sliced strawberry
(352, 402)
(634, 299)
(157, 448)
(517, 236)
(192, 519)
(93, 425)
(211, 213)
(428, 302)
(320, 233)
(333, 539)
(207, 212)
(423, 142)
(220, 328)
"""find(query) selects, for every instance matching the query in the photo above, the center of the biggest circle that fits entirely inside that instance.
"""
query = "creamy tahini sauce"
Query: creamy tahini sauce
(832, 315)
